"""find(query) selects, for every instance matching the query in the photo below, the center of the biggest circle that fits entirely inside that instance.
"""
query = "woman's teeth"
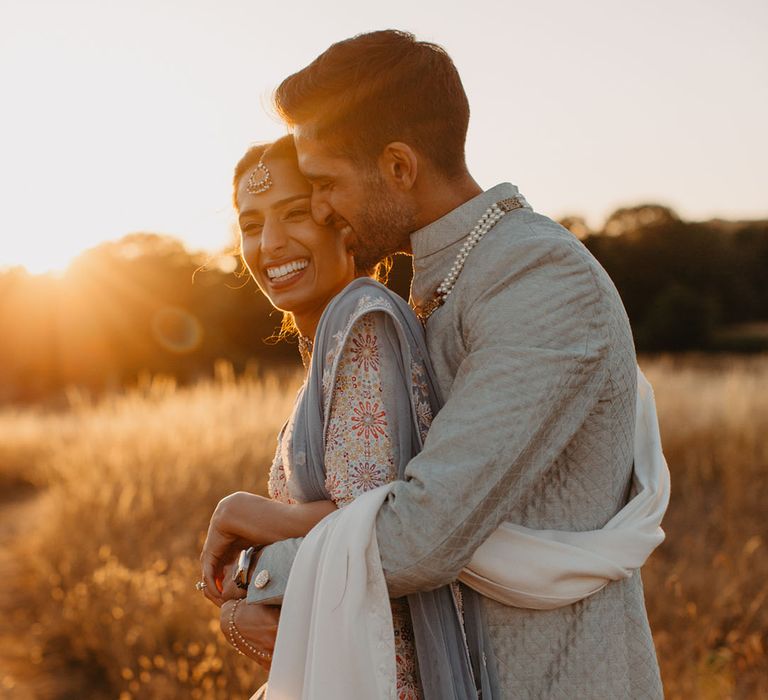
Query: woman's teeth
(280, 272)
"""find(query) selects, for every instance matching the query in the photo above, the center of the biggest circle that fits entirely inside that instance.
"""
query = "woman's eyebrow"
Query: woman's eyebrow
(253, 212)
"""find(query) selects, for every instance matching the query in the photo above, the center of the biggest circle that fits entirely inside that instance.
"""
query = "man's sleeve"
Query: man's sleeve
(535, 338)
(536, 342)
(276, 560)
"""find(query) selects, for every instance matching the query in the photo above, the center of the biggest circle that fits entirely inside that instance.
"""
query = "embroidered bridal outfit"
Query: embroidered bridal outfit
(365, 437)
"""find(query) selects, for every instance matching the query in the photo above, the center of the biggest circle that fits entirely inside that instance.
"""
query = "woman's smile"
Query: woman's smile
(282, 275)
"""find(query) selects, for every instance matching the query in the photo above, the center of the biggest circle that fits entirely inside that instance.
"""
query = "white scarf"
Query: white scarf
(335, 638)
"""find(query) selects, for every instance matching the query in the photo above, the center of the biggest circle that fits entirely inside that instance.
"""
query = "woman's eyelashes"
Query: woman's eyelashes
(252, 229)
(297, 214)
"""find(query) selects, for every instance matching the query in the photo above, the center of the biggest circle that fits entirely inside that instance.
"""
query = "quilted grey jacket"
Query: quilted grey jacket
(534, 354)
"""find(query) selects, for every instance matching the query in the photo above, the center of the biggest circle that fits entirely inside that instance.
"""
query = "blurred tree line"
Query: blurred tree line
(145, 305)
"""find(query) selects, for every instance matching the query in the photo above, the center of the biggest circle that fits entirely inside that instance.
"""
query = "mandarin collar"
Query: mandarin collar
(435, 246)
(457, 223)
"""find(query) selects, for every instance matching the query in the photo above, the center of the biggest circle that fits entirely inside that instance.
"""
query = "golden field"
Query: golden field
(104, 508)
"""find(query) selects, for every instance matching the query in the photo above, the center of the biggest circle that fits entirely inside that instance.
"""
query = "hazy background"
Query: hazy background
(129, 116)
(641, 126)
(136, 387)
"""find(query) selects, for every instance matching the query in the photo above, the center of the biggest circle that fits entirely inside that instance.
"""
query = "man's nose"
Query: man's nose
(322, 212)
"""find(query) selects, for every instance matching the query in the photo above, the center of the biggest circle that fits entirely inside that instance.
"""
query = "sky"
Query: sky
(118, 117)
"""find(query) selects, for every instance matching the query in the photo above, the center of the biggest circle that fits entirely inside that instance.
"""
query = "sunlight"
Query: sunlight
(43, 261)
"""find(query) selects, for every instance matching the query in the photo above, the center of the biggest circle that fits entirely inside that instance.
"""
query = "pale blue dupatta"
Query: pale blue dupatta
(449, 662)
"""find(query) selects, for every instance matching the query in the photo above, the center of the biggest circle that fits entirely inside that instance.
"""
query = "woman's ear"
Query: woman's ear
(399, 165)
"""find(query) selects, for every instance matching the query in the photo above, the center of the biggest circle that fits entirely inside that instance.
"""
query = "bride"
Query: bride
(364, 410)
(373, 379)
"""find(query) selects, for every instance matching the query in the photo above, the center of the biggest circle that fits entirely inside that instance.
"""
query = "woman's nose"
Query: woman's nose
(273, 237)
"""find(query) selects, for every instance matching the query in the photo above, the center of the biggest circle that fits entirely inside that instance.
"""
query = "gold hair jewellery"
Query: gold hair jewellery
(260, 180)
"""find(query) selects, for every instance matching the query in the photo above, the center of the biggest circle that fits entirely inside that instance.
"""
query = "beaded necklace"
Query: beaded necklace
(484, 224)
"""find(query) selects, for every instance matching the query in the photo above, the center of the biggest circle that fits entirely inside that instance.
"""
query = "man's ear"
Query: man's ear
(399, 165)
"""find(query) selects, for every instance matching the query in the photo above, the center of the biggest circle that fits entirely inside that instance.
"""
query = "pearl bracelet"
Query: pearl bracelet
(235, 636)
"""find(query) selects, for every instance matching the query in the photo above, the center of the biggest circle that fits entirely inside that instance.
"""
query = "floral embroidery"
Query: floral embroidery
(359, 450)
(277, 484)
(367, 304)
(368, 420)
(365, 352)
(368, 475)
(333, 437)
(408, 686)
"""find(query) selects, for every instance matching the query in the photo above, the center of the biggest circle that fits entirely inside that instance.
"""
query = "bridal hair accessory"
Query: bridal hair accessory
(260, 180)
(235, 636)
(486, 222)
(200, 585)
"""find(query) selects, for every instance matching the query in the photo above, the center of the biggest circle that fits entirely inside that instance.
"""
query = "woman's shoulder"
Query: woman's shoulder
(360, 297)
(364, 293)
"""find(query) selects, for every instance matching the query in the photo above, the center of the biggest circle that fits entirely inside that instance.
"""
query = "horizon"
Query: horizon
(639, 104)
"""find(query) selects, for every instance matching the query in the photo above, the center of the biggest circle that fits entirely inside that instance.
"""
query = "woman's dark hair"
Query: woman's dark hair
(285, 148)
(365, 92)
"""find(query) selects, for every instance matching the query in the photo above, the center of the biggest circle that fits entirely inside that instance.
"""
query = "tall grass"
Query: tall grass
(98, 598)
(707, 586)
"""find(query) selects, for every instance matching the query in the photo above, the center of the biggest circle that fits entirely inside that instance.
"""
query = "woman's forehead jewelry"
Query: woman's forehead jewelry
(260, 180)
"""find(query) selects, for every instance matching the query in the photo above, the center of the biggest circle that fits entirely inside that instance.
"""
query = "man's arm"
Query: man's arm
(536, 340)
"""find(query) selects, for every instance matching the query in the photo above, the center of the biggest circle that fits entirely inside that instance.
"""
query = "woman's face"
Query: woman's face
(298, 264)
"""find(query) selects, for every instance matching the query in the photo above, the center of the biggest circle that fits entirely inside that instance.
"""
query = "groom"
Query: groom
(531, 346)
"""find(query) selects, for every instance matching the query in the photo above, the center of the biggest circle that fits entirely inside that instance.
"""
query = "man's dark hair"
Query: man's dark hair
(365, 92)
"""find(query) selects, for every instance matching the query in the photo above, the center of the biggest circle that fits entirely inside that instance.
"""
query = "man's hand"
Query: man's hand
(256, 624)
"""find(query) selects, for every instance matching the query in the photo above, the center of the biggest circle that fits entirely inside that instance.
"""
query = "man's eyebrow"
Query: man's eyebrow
(253, 212)
(313, 177)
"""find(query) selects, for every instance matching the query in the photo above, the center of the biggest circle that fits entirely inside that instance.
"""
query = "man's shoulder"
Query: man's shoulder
(524, 238)
(530, 251)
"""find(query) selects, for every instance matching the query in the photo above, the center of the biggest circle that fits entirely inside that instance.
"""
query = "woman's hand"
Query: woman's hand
(256, 624)
(244, 519)
(222, 546)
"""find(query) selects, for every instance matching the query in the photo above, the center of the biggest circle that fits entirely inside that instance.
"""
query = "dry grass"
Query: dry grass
(706, 587)
(103, 605)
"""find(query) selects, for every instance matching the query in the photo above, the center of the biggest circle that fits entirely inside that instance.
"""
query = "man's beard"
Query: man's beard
(384, 225)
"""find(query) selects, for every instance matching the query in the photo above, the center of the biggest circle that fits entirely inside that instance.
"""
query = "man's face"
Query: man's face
(357, 200)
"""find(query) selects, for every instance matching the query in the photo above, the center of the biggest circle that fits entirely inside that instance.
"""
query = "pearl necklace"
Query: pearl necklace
(487, 221)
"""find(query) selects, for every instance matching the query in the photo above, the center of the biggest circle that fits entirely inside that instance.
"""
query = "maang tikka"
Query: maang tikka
(260, 180)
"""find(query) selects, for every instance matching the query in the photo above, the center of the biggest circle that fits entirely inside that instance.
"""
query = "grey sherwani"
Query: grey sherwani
(534, 354)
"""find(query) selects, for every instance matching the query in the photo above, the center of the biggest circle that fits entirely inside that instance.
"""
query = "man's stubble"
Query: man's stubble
(385, 224)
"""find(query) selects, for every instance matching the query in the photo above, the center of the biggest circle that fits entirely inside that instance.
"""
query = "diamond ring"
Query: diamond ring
(200, 585)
